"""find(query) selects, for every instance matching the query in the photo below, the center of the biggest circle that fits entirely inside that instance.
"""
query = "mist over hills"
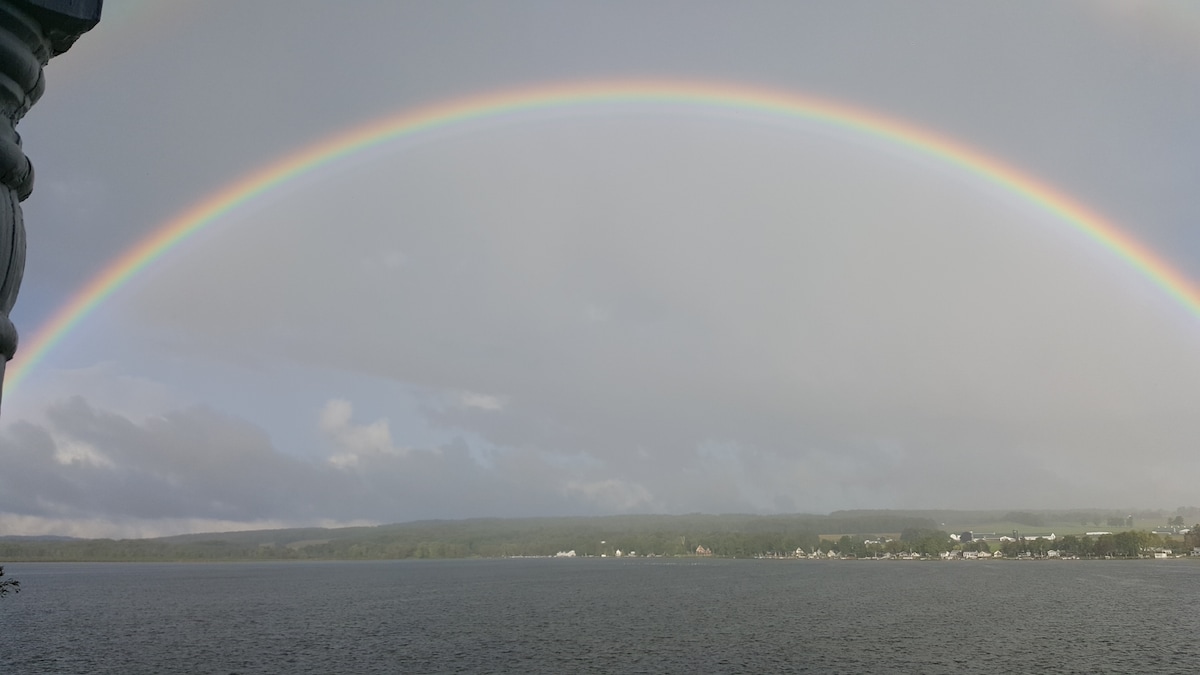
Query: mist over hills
(665, 535)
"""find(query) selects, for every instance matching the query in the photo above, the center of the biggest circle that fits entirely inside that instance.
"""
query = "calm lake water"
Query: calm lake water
(603, 615)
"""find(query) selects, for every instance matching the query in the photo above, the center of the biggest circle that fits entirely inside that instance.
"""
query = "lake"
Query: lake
(604, 616)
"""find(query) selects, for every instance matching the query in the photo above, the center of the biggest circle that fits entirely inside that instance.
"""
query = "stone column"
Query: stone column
(31, 33)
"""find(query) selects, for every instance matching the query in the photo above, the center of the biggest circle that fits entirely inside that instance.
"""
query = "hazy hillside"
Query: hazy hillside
(725, 535)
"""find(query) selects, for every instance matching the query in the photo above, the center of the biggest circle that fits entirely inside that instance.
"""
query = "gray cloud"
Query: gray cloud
(790, 315)
(624, 311)
(187, 464)
(86, 465)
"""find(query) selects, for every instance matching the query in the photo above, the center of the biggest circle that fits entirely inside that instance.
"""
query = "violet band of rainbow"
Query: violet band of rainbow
(575, 95)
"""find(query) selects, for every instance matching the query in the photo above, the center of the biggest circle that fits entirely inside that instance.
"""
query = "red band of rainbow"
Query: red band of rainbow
(720, 96)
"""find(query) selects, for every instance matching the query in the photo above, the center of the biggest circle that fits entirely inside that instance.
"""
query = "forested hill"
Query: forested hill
(724, 535)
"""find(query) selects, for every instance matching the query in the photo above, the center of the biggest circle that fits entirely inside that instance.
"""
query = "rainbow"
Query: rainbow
(722, 97)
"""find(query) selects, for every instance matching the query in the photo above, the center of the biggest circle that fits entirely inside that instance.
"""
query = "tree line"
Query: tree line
(724, 536)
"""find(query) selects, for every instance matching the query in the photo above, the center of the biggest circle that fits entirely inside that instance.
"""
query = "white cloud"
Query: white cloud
(135, 528)
(133, 396)
(70, 451)
(353, 441)
(335, 415)
(864, 323)
(90, 472)
(481, 401)
(612, 494)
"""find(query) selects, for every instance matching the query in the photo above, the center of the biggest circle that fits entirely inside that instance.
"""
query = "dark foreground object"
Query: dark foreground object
(31, 33)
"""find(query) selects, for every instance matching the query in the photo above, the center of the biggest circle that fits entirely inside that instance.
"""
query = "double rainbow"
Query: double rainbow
(571, 96)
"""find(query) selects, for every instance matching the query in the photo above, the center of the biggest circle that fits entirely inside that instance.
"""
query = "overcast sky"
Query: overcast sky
(617, 310)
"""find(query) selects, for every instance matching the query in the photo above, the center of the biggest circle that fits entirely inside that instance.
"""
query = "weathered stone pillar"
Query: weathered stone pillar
(31, 33)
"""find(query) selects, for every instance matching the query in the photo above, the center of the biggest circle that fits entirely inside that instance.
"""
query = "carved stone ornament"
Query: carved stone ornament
(31, 33)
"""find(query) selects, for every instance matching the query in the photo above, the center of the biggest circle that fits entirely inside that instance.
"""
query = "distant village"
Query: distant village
(935, 545)
(854, 535)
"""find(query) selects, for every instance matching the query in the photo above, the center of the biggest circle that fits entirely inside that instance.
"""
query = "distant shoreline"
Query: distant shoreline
(860, 535)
